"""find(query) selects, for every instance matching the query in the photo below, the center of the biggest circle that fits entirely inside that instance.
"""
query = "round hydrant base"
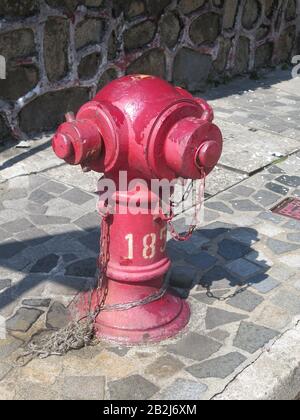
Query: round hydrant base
(153, 322)
(149, 323)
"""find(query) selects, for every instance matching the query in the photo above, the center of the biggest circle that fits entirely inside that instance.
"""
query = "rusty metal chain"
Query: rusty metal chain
(176, 235)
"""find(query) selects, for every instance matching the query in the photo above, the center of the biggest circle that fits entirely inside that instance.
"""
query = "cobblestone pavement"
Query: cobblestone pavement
(49, 242)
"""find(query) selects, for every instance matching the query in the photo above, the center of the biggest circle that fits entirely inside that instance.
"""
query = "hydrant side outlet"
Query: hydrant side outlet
(149, 129)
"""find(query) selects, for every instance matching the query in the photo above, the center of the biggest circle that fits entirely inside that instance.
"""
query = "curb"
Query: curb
(275, 375)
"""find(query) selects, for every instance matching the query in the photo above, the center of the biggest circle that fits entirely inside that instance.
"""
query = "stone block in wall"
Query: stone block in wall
(285, 45)
(69, 6)
(17, 44)
(4, 130)
(19, 81)
(170, 28)
(130, 8)
(157, 7)
(108, 76)
(222, 58)
(291, 10)
(230, 13)
(262, 32)
(251, 13)
(47, 111)
(56, 44)
(152, 62)
(139, 35)
(89, 66)
(263, 55)
(89, 32)
(242, 56)
(189, 6)
(191, 69)
(112, 49)
(270, 7)
(205, 29)
(17, 8)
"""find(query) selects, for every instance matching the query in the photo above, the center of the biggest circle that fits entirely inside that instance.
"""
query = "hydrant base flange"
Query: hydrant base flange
(151, 322)
(122, 335)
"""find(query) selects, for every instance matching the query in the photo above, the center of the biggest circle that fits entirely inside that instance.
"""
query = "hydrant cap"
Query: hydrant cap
(62, 146)
(208, 154)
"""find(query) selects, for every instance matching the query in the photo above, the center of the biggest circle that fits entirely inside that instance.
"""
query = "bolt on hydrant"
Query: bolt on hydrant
(144, 127)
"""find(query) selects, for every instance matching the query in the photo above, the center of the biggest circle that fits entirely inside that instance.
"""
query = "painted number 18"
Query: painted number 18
(149, 244)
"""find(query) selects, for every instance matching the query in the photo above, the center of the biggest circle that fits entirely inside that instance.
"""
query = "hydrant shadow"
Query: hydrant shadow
(220, 259)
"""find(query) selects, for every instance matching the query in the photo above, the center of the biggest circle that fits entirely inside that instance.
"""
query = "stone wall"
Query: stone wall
(60, 52)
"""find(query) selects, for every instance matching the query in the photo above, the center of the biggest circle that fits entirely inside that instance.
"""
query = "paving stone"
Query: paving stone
(58, 316)
(4, 235)
(289, 181)
(276, 188)
(217, 317)
(164, 367)
(23, 319)
(251, 337)
(69, 257)
(77, 196)
(247, 301)
(288, 300)
(218, 278)
(202, 260)
(17, 226)
(216, 229)
(219, 206)
(84, 388)
(34, 208)
(183, 276)
(40, 197)
(243, 190)
(195, 346)
(37, 303)
(33, 237)
(208, 299)
(183, 390)
(45, 264)
(220, 367)
(292, 224)
(294, 237)
(264, 283)
(243, 268)
(9, 346)
(245, 235)
(245, 205)
(41, 220)
(219, 335)
(192, 246)
(4, 284)
(4, 370)
(91, 241)
(82, 268)
(132, 388)
(271, 217)
(54, 187)
(280, 247)
(265, 198)
(232, 250)
(10, 249)
(89, 221)
(275, 170)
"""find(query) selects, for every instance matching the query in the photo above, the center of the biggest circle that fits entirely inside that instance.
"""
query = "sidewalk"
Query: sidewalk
(247, 257)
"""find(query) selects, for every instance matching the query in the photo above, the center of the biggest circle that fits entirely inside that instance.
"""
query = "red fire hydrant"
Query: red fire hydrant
(149, 129)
